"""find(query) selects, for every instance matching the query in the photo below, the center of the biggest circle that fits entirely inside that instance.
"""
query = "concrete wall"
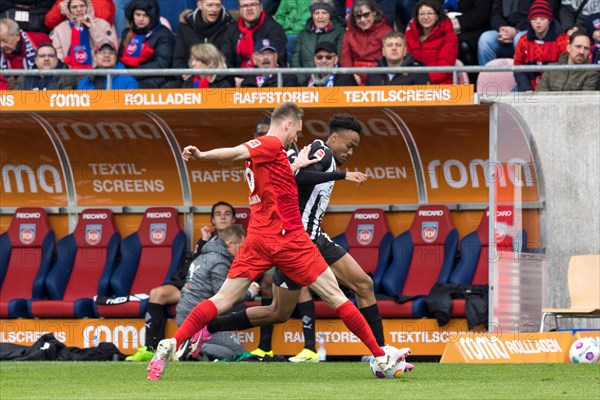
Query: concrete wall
(566, 129)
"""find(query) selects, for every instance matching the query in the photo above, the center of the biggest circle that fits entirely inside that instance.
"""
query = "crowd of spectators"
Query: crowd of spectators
(163, 34)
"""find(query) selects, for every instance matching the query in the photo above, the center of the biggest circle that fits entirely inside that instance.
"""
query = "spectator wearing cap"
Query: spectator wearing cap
(76, 38)
(265, 56)
(17, 47)
(146, 44)
(395, 55)
(105, 57)
(323, 26)
(578, 53)
(326, 57)
(254, 23)
(46, 59)
(543, 44)
(292, 16)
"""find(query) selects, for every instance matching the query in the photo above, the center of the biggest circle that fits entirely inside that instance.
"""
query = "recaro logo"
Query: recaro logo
(28, 215)
(94, 216)
(367, 216)
(241, 215)
(159, 215)
(124, 337)
(431, 213)
(70, 100)
(507, 213)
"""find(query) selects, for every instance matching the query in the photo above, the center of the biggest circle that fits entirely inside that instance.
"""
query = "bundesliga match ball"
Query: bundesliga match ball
(584, 351)
(395, 372)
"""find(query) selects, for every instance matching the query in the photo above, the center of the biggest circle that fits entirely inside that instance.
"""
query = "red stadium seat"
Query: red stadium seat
(422, 256)
(148, 258)
(26, 253)
(85, 260)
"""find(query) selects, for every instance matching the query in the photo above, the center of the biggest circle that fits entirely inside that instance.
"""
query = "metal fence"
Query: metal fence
(455, 70)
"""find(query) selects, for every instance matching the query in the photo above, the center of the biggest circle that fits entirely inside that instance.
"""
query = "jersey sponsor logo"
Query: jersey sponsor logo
(500, 231)
(159, 215)
(93, 234)
(95, 216)
(431, 213)
(253, 143)
(34, 215)
(158, 233)
(429, 231)
(319, 154)
(27, 233)
(367, 216)
(241, 215)
(364, 234)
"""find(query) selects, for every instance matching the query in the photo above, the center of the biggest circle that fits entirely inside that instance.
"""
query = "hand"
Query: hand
(238, 82)
(572, 31)
(506, 34)
(191, 153)
(206, 233)
(87, 21)
(358, 177)
(455, 25)
(185, 77)
(302, 160)
(254, 289)
(64, 7)
(357, 79)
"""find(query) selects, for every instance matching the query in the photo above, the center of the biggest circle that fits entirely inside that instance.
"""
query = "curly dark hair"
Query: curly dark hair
(340, 122)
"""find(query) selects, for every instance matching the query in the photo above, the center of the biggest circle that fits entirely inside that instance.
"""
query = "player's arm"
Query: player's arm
(314, 174)
(222, 154)
(303, 160)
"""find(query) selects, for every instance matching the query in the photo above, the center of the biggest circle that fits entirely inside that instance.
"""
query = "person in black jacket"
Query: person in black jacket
(395, 55)
(470, 18)
(207, 56)
(46, 58)
(265, 56)
(146, 44)
(254, 23)
(206, 24)
(326, 57)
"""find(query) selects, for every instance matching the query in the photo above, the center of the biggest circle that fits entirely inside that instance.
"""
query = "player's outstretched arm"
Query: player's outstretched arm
(354, 176)
(222, 154)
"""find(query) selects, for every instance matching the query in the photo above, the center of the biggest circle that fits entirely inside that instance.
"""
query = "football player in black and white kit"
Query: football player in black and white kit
(315, 184)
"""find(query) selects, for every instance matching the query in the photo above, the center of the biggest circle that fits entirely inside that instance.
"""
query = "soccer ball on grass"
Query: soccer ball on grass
(584, 350)
(395, 372)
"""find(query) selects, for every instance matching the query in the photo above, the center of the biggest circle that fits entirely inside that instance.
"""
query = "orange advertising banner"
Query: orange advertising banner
(218, 99)
(423, 336)
(509, 348)
(32, 174)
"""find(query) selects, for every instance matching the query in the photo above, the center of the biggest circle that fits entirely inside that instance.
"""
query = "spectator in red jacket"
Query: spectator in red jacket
(430, 38)
(543, 44)
(361, 46)
(17, 47)
(104, 9)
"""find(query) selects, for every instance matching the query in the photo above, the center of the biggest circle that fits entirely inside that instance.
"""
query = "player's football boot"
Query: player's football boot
(260, 353)
(391, 357)
(408, 367)
(197, 340)
(165, 353)
(143, 354)
(305, 356)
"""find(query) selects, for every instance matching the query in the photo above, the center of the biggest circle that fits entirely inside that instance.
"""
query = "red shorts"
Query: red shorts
(293, 253)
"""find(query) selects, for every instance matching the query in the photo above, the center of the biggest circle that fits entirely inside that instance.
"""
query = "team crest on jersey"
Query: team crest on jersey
(500, 232)
(254, 143)
(131, 48)
(364, 234)
(93, 234)
(319, 154)
(80, 54)
(429, 231)
(27, 233)
(158, 233)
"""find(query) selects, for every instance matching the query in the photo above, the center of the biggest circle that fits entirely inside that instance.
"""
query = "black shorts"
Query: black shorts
(330, 251)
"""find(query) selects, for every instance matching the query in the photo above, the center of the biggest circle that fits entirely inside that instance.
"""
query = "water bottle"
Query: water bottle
(321, 350)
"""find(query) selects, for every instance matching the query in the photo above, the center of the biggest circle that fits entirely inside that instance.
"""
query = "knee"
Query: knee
(280, 315)
(364, 287)
(487, 38)
(157, 295)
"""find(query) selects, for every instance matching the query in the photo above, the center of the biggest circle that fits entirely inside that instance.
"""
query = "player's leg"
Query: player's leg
(306, 309)
(232, 290)
(266, 330)
(350, 274)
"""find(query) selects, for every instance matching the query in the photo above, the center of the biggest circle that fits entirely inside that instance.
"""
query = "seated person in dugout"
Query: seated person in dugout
(222, 217)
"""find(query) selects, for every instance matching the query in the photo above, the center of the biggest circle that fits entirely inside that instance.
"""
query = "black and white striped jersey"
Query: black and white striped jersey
(315, 184)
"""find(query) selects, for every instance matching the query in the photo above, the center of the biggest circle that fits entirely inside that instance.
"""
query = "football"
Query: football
(395, 372)
(584, 350)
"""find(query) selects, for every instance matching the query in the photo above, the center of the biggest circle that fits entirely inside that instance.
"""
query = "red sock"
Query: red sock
(355, 321)
(200, 316)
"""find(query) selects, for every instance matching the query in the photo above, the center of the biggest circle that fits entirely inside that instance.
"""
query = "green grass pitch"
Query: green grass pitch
(261, 381)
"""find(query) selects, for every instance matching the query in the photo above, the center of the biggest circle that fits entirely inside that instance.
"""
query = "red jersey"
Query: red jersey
(273, 194)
